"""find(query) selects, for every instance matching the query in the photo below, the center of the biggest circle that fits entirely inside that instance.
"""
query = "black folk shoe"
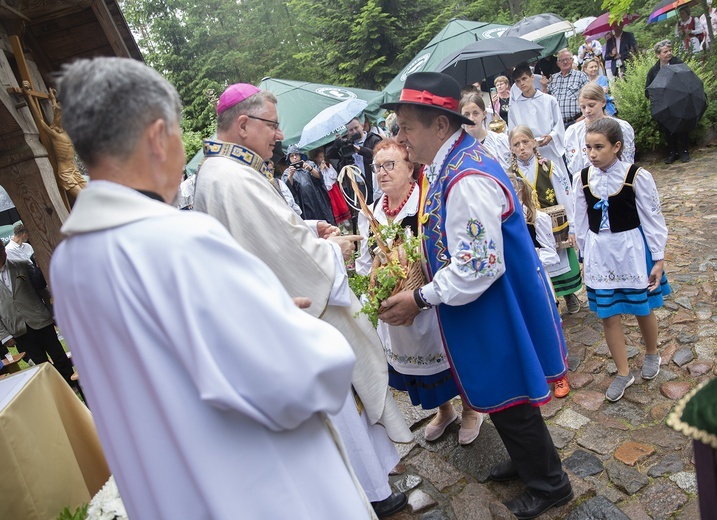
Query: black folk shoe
(391, 505)
(531, 505)
(503, 472)
(671, 158)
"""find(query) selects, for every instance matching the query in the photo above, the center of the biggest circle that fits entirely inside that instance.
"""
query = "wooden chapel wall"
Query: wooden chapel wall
(25, 170)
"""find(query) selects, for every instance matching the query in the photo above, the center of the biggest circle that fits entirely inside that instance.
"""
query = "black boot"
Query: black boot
(685, 156)
(672, 148)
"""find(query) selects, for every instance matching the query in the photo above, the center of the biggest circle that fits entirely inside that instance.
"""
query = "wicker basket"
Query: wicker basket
(413, 272)
(384, 253)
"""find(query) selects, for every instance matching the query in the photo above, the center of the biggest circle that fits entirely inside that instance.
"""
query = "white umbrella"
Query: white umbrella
(549, 30)
(581, 25)
(5, 201)
(330, 119)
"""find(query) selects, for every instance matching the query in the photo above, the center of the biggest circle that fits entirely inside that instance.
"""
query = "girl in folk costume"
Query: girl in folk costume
(472, 106)
(592, 102)
(689, 30)
(416, 356)
(540, 224)
(339, 207)
(622, 234)
(551, 187)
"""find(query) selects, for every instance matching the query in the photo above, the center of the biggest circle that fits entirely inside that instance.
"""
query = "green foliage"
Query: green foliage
(79, 514)
(204, 46)
(362, 43)
(390, 273)
(191, 139)
(634, 107)
(617, 8)
(358, 283)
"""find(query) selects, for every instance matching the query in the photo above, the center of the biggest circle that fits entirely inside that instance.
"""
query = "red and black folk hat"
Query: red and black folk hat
(431, 89)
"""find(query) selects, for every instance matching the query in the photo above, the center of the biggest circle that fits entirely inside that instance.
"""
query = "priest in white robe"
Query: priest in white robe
(233, 187)
(209, 387)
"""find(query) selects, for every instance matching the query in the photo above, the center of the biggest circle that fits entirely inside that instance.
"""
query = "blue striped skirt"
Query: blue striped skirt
(428, 391)
(638, 302)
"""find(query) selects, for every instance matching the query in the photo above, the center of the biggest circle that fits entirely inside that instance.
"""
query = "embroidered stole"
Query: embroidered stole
(243, 156)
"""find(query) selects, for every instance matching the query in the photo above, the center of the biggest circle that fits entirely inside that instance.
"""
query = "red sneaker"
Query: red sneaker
(562, 388)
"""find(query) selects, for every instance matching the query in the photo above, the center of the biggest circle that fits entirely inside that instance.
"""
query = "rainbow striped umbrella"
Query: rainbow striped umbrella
(668, 8)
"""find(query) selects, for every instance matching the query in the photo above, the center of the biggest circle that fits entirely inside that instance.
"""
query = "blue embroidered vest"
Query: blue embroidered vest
(505, 346)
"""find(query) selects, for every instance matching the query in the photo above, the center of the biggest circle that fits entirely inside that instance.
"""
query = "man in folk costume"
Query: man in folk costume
(233, 382)
(501, 328)
(308, 257)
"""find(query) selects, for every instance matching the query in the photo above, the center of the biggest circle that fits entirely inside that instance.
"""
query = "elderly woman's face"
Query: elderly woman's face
(592, 69)
(395, 173)
(501, 86)
(665, 54)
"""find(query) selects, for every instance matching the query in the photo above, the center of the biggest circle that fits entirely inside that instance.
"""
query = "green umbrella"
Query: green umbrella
(552, 44)
(452, 38)
(298, 102)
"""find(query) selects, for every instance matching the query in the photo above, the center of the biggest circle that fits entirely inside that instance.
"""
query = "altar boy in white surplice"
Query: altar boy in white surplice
(210, 389)
(539, 112)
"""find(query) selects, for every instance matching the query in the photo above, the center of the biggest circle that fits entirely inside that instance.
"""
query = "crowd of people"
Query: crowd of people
(518, 198)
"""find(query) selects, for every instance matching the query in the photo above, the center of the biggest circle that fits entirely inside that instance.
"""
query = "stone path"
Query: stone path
(623, 461)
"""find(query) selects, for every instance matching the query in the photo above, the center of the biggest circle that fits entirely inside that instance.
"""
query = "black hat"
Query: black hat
(431, 89)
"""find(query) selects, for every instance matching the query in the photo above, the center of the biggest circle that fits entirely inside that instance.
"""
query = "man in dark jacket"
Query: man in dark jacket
(619, 48)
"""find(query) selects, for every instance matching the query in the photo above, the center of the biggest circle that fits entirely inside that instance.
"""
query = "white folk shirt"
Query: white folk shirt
(544, 235)
(208, 397)
(617, 260)
(417, 349)
(541, 113)
(473, 197)
(499, 146)
(576, 153)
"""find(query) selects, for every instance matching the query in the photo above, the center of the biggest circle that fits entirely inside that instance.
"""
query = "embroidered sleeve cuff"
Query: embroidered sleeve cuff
(658, 256)
(430, 295)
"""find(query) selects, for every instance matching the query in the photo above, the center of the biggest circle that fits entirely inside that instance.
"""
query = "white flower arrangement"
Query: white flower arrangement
(107, 503)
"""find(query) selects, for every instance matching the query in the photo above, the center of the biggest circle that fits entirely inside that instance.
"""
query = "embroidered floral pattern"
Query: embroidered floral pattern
(479, 255)
(564, 183)
(611, 277)
(436, 358)
(655, 205)
(550, 195)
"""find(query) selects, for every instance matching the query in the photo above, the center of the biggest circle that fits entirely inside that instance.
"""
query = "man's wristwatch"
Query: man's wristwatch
(418, 298)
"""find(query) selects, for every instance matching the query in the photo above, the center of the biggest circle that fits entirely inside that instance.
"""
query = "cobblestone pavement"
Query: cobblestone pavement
(623, 461)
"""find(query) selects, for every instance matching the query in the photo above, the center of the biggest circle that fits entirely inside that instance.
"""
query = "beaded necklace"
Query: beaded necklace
(393, 212)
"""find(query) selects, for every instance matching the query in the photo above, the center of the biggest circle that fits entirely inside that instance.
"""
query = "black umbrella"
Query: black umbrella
(486, 58)
(677, 98)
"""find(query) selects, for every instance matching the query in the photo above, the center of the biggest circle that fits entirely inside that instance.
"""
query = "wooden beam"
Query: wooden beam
(110, 29)
(12, 12)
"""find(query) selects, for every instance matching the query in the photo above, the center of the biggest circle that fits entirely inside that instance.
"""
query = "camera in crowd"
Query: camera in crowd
(347, 148)
(297, 165)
